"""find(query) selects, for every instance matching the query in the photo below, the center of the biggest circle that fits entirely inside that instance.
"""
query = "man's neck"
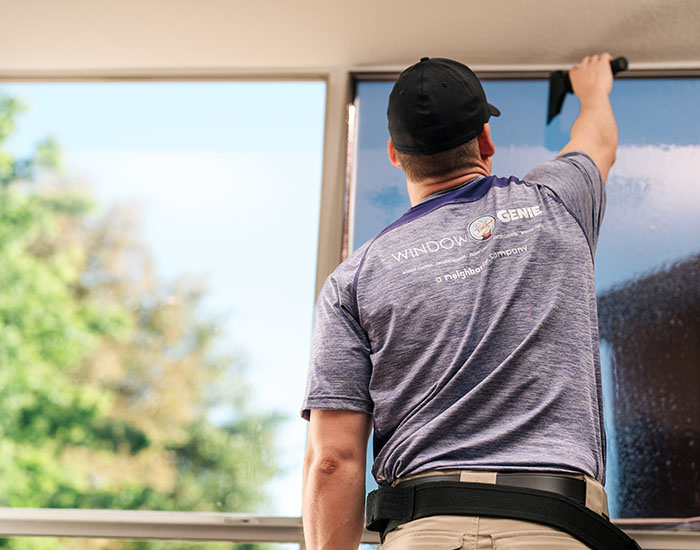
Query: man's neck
(418, 191)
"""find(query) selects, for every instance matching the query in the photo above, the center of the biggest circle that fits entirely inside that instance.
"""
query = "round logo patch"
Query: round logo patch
(482, 228)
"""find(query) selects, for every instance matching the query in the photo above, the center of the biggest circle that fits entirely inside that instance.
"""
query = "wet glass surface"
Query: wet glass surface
(647, 266)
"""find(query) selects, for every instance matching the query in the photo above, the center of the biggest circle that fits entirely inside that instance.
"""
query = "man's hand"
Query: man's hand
(593, 78)
(333, 497)
(594, 131)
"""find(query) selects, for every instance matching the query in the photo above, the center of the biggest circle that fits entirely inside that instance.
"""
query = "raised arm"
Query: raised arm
(594, 131)
(333, 498)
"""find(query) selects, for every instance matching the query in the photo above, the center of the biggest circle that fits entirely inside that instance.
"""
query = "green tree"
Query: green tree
(108, 375)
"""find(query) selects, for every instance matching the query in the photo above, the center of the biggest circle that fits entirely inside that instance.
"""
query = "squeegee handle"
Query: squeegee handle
(617, 65)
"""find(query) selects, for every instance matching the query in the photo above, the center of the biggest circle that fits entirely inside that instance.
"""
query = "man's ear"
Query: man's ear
(393, 158)
(486, 146)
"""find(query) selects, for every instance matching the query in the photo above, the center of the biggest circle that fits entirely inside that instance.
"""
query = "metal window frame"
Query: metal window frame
(202, 526)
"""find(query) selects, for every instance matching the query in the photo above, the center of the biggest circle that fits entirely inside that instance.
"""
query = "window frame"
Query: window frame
(335, 227)
(640, 527)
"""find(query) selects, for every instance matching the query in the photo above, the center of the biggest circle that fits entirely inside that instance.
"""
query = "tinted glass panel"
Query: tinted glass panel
(647, 266)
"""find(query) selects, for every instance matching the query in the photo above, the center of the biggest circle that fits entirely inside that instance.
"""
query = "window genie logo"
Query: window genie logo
(517, 213)
(482, 228)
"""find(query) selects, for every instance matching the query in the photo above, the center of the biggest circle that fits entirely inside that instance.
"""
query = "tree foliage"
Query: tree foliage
(108, 375)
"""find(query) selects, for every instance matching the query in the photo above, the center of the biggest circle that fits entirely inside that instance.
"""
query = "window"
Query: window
(156, 293)
(647, 265)
(236, 401)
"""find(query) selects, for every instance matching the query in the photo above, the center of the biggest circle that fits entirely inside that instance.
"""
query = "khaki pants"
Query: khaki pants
(477, 533)
(482, 533)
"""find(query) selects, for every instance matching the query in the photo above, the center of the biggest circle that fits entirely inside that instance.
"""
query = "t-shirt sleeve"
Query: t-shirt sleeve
(340, 366)
(575, 181)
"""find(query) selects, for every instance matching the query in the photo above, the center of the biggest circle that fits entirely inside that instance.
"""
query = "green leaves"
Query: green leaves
(108, 374)
(49, 155)
(10, 107)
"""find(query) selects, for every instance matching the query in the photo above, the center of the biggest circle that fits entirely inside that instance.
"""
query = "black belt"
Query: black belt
(567, 486)
(444, 494)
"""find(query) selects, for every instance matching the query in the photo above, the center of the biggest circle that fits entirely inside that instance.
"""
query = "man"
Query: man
(466, 332)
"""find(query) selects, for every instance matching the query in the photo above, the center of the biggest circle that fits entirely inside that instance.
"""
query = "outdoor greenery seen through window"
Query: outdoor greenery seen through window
(108, 373)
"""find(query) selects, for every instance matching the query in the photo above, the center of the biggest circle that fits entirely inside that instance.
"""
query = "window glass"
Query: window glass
(158, 245)
(647, 266)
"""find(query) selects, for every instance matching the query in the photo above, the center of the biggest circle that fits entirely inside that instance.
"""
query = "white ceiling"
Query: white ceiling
(181, 36)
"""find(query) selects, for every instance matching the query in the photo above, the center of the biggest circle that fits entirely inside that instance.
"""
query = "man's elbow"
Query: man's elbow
(326, 465)
(330, 460)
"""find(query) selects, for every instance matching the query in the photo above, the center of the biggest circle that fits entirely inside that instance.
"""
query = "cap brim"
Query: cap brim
(493, 111)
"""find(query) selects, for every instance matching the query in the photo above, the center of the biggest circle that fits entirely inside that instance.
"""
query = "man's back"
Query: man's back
(479, 319)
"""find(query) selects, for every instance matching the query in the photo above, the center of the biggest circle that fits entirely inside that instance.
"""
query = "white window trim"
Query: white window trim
(200, 526)
(148, 525)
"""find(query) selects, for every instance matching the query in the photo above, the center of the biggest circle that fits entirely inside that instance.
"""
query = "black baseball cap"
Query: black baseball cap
(435, 105)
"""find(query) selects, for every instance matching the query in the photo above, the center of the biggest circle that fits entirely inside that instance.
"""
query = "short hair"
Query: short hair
(420, 167)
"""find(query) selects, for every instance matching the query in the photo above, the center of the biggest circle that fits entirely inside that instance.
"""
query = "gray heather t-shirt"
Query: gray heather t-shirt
(468, 328)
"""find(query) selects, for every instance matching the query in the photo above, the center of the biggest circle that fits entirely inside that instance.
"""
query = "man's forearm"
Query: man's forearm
(333, 503)
(596, 118)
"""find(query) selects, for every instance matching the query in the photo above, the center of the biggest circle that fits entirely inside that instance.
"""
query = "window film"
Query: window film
(647, 266)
